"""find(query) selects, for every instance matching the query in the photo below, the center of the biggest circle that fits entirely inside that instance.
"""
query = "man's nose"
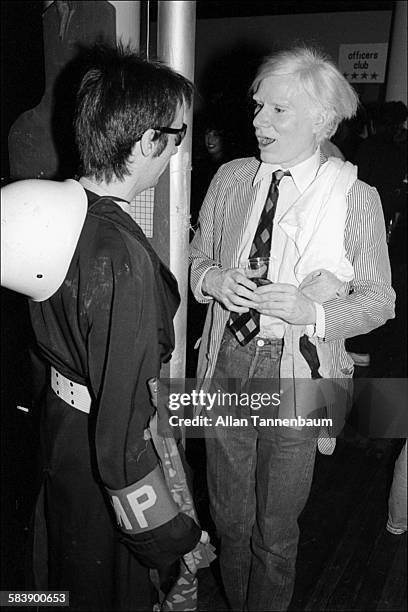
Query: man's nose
(261, 118)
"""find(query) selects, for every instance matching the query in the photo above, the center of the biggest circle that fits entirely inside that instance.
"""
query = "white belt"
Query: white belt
(72, 393)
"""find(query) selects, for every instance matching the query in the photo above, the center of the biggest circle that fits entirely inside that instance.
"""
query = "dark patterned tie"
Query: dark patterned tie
(245, 326)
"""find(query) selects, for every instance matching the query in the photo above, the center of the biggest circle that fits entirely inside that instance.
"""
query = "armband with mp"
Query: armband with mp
(144, 505)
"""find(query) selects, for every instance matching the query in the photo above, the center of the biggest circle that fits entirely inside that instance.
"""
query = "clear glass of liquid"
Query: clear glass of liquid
(260, 270)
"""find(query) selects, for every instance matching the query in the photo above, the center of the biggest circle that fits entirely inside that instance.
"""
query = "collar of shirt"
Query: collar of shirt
(302, 174)
(95, 188)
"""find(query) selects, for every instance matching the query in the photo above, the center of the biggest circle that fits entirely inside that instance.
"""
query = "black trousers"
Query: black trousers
(76, 546)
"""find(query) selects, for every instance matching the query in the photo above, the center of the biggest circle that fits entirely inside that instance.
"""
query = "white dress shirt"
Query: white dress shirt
(290, 188)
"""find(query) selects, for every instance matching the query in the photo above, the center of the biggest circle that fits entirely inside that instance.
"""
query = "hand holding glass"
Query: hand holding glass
(258, 269)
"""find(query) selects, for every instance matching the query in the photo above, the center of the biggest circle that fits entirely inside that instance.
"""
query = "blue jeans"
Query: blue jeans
(259, 479)
(397, 501)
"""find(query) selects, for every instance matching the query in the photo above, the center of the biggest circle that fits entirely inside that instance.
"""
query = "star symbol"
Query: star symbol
(354, 75)
(364, 75)
(374, 75)
(345, 74)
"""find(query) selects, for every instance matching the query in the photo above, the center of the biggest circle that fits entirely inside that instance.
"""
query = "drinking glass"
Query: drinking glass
(258, 269)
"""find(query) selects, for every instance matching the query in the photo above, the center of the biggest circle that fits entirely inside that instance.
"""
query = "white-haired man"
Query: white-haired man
(324, 231)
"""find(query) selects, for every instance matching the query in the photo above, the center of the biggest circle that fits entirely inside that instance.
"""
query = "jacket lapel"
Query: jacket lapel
(239, 202)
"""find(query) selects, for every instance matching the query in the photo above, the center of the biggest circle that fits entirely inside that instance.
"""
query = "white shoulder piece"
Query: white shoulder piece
(41, 222)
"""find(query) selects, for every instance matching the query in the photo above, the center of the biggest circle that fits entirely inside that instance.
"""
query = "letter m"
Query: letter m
(120, 513)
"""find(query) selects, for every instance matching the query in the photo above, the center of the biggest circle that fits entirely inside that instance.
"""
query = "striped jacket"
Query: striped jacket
(370, 299)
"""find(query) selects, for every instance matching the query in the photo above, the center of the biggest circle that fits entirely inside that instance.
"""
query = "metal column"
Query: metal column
(128, 22)
(176, 47)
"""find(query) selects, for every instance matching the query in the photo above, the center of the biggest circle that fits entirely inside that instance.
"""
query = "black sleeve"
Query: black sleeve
(123, 353)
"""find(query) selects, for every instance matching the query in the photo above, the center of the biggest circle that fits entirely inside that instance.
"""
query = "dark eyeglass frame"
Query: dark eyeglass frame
(180, 132)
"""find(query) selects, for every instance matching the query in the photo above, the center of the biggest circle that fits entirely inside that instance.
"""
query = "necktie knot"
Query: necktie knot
(278, 175)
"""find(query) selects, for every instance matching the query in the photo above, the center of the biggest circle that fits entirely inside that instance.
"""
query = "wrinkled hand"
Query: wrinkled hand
(188, 558)
(286, 302)
(230, 287)
(321, 286)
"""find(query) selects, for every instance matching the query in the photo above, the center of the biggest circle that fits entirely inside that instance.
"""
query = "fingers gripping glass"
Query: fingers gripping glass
(180, 132)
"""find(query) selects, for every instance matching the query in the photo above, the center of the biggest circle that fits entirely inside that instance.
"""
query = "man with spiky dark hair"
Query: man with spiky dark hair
(105, 331)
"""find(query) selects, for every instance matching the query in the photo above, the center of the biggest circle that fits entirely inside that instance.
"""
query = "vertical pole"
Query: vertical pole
(176, 47)
(128, 22)
(397, 63)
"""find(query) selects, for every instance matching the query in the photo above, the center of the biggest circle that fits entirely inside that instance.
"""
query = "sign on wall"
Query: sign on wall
(363, 63)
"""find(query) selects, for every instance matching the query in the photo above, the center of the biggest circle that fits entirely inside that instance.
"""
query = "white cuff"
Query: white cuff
(198, 290)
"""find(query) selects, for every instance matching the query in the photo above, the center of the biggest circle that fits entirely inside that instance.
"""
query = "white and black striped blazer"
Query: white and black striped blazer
(222, 221)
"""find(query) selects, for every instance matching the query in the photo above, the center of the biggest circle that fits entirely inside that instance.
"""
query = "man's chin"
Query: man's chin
(267, 159)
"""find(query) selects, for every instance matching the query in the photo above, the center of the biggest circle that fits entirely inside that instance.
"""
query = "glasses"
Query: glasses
(180, 132)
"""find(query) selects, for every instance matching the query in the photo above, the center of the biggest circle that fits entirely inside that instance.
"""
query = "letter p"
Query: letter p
(148, 496)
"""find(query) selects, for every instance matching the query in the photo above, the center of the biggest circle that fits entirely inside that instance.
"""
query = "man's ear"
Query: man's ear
(148, 143)
(319, 121)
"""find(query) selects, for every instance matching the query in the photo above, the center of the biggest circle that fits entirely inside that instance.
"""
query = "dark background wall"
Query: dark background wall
(230, 38)
(22, 65)
(229, 45)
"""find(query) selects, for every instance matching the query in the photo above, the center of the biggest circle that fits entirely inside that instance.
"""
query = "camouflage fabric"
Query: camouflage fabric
(183, 594)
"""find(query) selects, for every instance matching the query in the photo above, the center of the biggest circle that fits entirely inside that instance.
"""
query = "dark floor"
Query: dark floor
(347, 560)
